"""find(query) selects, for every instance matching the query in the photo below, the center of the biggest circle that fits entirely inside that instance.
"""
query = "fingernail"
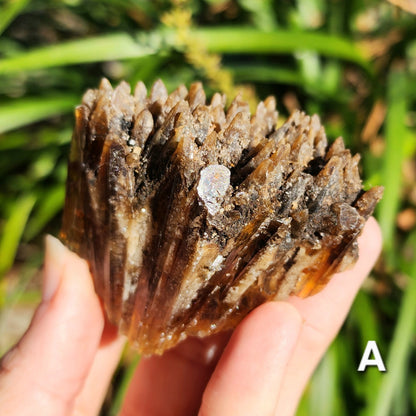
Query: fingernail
(55, 253)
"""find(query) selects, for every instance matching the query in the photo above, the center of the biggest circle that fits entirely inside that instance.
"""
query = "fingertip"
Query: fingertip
(270, 328)
(272, 314)
(55, 258)
(54, 247)
(62, 339)
(66, 274)
(77, 279)
(267, 326)
(371, 240)
(250, 371)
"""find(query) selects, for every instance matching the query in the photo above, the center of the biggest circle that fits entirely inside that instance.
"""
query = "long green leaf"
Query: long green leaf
(249, 40)
(9, 11)
(324, 386)
(221, 40)
(395, 134)
(264, 73)
(262, 13)
(20, 112)
(363, 316)
(122, 388)
(13, 230)
(50, 204)
(397, 361)
(94, 49)
(271, 74)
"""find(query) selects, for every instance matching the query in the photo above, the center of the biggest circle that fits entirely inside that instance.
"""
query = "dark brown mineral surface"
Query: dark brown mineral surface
(190, 216)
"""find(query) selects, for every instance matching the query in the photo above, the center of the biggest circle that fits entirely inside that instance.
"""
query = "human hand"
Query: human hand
(64, 362)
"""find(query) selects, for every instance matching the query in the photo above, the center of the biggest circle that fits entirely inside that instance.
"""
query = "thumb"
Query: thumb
(46, 370)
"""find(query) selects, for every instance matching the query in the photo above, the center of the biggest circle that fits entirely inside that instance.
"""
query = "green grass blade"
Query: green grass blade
(120, 394)
(49, 206)
(397, 361)
(94, 49)
(46, 136)
(323, 394)
(18, 113)
(13, 230)
(395, 134)
(9, 11)
(263, 73)
(220, 40)
(262, 13)
(364, 318)
(249, 40)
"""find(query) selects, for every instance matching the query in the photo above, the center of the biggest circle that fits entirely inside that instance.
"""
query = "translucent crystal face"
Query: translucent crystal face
(212, 186)
(191, 215)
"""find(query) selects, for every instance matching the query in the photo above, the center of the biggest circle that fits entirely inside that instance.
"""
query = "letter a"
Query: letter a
(376, 361)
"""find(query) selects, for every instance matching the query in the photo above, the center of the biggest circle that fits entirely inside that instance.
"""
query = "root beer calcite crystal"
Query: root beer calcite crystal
(191, 215)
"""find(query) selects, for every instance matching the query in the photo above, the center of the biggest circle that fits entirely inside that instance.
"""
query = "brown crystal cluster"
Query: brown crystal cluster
(190, 216)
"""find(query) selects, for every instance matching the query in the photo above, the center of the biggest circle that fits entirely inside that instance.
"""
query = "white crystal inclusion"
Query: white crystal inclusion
(213, 185)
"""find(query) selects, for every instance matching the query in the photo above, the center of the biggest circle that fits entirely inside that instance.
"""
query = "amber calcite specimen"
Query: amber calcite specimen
(190, 216)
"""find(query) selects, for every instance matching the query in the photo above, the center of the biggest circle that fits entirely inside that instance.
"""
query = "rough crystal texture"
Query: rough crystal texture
(190, 216)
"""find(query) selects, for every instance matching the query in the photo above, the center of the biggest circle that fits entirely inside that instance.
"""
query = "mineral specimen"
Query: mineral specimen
(190, 216)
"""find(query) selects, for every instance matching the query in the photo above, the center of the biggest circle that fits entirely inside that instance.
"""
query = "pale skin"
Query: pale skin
(63, 364)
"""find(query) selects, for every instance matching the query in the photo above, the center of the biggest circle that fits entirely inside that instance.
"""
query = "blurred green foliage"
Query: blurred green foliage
(352, 62)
